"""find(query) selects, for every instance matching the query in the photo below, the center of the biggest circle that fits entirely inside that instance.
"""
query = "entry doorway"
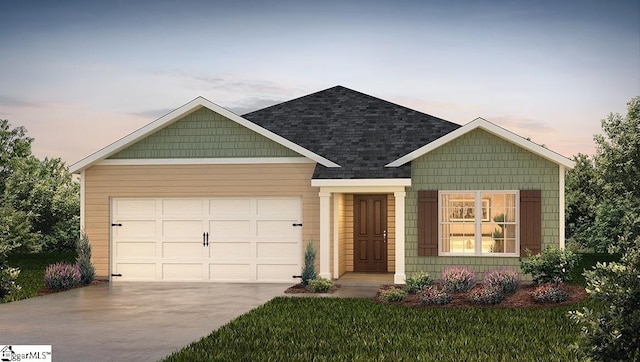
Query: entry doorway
(370, 233)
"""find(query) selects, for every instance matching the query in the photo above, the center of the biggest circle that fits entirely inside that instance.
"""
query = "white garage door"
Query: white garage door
(211, 239)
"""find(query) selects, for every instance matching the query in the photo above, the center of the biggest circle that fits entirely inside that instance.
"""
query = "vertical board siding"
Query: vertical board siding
(105, 182)
(204, 134)
(479, 160)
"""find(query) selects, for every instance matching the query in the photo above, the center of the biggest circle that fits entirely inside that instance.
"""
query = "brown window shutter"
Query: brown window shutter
(428, 223)
(530, 222)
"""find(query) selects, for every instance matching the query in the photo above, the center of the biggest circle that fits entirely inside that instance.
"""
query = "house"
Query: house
(205, 194)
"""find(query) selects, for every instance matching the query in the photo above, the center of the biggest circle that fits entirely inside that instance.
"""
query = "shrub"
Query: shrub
(435, 295)
(505, 280)
(61, 276)
(87, 271)
(487, 295)
(550, 292)
(458, 279)
(418, 282)
(393, 294)
(611, 333)
(309, 270)
(552, 265)
(320, 285)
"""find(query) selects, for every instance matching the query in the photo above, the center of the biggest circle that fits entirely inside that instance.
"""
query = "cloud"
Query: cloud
(253, 104)
(522, 125)
(151, 113)
(8, 101)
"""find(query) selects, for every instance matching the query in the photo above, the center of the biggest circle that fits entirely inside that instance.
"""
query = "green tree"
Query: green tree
(14, 145)
(603, 193)
(47, 193)
(611, 333)
(617, 166)
(581, 197)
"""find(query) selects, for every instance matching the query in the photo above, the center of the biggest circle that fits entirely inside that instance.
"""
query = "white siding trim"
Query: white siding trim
(202, 161)
(402, 182)
(82, 201)
(336, 237)
(181, 112)
(493, 129)
(400, 275)
(325, 234)
(561, 205)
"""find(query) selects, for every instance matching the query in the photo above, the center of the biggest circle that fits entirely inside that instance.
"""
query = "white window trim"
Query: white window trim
(478, 224)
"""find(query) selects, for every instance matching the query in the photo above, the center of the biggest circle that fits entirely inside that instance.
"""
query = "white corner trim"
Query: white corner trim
(203, 161)
(178, 113)
(82, 201)
(386, 182)
(493, 129)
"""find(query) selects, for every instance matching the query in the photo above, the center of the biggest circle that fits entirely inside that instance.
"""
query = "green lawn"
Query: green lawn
(359, 329)
(32, 267)
(294, 328)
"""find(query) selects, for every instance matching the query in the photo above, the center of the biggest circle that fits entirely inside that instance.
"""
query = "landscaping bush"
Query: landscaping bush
(611, 333)
(320, 285)
(435, 295)
(550, 292)
(87, 271)
(552, 265)
(487, 295)
(418, 282)
(309, 270)
(505, 280)
(393, 294)
(61, 276)
(458, 279)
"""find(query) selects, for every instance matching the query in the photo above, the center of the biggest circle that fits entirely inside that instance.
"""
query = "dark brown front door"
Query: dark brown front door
(370, 233)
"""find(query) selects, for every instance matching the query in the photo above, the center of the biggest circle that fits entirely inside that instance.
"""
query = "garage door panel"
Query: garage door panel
(182, 206)
(237, 250)
(186, 250)
(277, 229)
(136, 229)
(231, 272)
(136, 271)
(189, 229)
(230, 228)
(182, 271)
(134, 207)
(277, 272)
(281, 207)
(230, 206)
(134, 250)
(285, 251)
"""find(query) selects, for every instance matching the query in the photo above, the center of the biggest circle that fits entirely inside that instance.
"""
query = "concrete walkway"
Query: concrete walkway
(134, 321)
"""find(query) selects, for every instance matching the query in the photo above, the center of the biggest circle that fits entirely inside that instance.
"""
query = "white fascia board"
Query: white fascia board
(493, 129)
(203, 161)
(402, 182)
(181, 112)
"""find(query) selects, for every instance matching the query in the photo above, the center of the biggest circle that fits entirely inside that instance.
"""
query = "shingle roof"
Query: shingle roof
(359, 132)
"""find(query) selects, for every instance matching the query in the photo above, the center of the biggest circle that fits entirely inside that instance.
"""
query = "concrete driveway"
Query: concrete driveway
(128, 321)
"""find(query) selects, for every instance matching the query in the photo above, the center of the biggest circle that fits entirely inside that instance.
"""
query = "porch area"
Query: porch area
(353, 279)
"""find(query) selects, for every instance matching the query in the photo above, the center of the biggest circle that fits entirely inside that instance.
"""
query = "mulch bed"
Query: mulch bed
(299, 288)
(520, 299)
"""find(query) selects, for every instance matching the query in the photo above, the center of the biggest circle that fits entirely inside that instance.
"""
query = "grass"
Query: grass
(360, 329)
(293, 328)
(32, 266)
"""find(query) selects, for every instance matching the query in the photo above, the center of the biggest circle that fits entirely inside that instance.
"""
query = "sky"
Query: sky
(79, 75)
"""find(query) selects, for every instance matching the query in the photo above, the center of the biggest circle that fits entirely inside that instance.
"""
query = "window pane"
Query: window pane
(458, 223)
(498, 229)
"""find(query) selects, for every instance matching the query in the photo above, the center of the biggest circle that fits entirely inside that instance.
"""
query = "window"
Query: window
(478, 223)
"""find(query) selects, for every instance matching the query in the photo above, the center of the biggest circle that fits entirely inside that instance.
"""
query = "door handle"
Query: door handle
(203, 239)
(207, 239)
(385, 235)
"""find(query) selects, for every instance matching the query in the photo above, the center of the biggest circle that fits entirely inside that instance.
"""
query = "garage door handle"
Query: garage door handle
(205, 239)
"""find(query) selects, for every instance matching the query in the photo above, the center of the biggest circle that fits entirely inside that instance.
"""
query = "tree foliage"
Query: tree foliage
(603, 192)
(39, 198)
(611, 334)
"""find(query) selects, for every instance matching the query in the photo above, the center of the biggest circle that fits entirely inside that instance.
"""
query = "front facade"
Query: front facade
(203, 194)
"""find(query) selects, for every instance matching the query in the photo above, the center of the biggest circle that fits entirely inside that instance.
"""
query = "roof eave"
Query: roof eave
(480, 123)
(180, 112)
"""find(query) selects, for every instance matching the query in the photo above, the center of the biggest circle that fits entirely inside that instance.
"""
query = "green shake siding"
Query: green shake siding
(479, 160)
(204, 134)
